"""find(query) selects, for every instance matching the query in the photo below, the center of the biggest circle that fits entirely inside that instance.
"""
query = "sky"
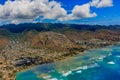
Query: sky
(104, 12)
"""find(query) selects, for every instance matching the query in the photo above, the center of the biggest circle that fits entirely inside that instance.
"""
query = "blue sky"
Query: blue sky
(69, 11)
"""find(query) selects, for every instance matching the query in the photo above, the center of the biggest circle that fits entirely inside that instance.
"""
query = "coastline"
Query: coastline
(60, 67)
(16, 70)
(67, 57)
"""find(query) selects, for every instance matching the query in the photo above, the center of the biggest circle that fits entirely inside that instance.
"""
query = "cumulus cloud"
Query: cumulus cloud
(79, 12)
(19, 11)
(84, 11)
(30, 9)
(56, 12)
(102, 3)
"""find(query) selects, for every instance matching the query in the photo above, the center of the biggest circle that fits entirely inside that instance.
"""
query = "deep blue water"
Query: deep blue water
(97, 64)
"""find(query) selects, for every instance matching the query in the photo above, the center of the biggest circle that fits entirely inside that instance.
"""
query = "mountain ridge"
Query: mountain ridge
(25, 45)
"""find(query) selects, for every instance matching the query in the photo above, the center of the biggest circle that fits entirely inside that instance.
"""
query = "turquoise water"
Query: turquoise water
(98, 64)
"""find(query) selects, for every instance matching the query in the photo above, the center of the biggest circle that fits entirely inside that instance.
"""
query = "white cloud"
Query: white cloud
(79, 12)
(94, 2)
(102, 3)
(31, 9)
(84, 11)
(17, 21)
(56, 12)
(28, 10)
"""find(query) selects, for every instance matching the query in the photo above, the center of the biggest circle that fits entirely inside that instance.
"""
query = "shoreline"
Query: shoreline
(16, 70)
(69, 56)
(73, 56)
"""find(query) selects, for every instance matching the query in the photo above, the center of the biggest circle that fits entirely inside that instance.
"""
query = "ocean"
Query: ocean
(95, 64)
